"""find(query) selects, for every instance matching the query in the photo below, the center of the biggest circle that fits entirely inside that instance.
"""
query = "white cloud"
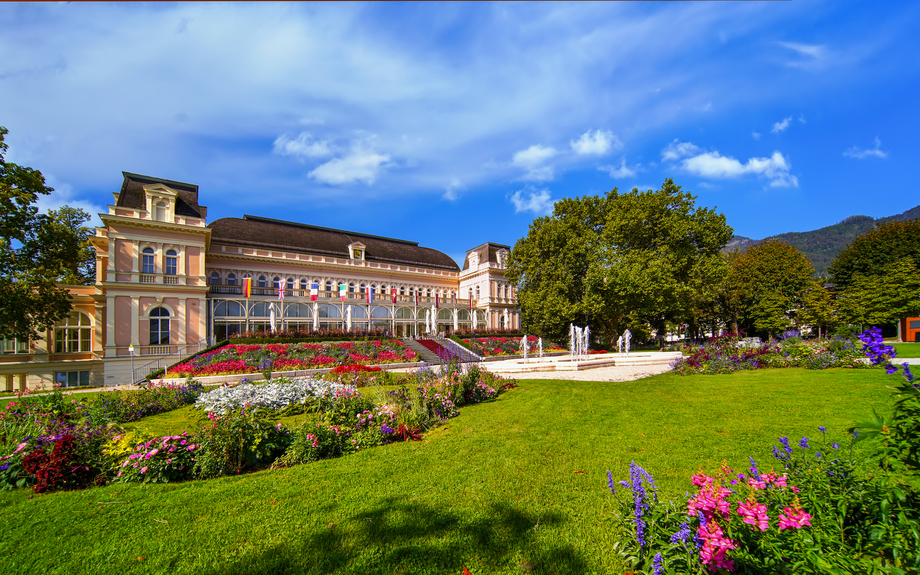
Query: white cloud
(303, 146)
(811, 50)
(677, 150)
(63, 195)
(875, 152)
(621, 171)
(451, 193)
(781, 126)
(360, 165)
(713, 165)
(801, 118)
(531, 199)
(755, 135)
(597, 143)
(532, 161)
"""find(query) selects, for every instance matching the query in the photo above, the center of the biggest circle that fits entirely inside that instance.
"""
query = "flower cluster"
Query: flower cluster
(159, 460)
(240, 358)
(492, 346)
(275, 395)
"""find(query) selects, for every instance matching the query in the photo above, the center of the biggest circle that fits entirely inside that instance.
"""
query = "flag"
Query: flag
(314, 291)
(370, 295)
(453, 297)
(342, 292)
(437, 301)
(416, 298)
(247, 287)
(394, 295)
(471, 300)
(281, 289)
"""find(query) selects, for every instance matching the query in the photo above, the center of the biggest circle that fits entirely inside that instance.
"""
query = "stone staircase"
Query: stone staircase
(423, 352)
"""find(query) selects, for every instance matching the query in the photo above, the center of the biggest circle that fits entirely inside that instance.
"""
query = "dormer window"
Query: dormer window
(474, 259)
(356, 250)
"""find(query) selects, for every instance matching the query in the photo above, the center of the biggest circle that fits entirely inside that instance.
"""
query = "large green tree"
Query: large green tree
(870, 253)
(37, 251)
(772, 277)
(876, 276)
(619, 259)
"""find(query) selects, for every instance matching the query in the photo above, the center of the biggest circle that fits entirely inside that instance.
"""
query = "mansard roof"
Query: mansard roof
(259, 232)
(488, 252)
(132, 194)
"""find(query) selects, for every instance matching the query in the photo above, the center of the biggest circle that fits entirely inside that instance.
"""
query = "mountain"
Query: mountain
(822, 245)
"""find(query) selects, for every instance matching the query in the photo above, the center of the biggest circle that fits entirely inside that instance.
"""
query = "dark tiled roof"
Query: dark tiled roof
(132, 194)
(488, 252)
(256, 232)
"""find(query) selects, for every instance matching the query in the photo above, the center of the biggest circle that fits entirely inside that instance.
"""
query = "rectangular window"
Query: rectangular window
(147, 267)
(72, 378)
(13, 346)
(915, 324)
(172, 266)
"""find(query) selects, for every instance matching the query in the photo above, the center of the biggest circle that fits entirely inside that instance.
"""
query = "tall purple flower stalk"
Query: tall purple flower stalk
(638, 477)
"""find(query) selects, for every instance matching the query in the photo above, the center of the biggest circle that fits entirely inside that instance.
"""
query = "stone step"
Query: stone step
(423, 352)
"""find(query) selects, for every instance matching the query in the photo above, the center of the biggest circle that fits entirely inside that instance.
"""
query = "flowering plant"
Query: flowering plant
(817, 514)
(159, 460)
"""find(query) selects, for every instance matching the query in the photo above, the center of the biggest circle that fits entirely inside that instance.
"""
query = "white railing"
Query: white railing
(148, 279)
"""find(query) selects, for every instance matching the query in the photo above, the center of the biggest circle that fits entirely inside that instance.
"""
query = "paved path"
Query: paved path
(613, 373)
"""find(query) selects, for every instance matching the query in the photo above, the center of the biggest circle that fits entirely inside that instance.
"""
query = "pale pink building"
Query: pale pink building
(168, 283)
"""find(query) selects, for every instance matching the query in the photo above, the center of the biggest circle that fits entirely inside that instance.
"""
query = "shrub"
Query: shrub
(159, 460)
(239, 441)
(313, 442)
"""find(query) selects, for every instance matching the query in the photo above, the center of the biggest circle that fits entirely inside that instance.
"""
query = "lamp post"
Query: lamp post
(131, 352)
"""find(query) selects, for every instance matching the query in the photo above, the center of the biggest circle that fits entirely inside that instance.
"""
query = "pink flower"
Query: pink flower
(144, 469)
(757, 484)
(794, 518)
(754, 514)
(191, 447)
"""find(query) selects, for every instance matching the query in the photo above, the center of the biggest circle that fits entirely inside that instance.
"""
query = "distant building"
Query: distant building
(910, 329)
(168, 283)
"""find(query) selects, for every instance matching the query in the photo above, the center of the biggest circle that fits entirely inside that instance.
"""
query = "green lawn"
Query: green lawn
(517, 485)
(907, 349)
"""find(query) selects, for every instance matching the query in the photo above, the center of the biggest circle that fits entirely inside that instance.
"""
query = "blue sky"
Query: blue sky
(457, 124)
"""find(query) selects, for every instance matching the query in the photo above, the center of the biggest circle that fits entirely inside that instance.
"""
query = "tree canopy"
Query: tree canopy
(772, 277)
(37, 251)
(611, 260)
(877, 276)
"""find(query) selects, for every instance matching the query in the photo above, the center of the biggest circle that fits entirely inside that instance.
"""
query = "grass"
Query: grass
(911, 349)
(513, 486)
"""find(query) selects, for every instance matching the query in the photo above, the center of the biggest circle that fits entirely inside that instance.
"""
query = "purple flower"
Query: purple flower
(682, 533)
(822, 429)
(638, 477)
(785, 443)
(753, 469)
(804, 443)
(610, 482)
(656, 564)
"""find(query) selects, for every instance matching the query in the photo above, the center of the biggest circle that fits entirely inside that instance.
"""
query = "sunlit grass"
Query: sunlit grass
(511, 486)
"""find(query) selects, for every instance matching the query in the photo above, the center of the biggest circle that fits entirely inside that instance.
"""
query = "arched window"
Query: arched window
(477, 292)
(403, 313)
(402, 290)
(172, 263)
(263, 282)
(228, 309)
(260, 309)
(380, 312)
(303, 284)
(159, 326)
(327, 311)
(74, 335)
(215, 279)
(276, 282)
(147, 265)
(231, 279)
(160, 211)
(290, 283)
(297, 310)
(329, 288)
(351, 287)
(428, 292)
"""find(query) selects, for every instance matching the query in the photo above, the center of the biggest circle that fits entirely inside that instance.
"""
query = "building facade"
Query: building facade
(168, 283)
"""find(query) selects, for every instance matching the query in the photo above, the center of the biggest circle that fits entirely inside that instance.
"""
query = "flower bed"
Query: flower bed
(497, 346)
(276, 395)
(725, 354)
(242, 358)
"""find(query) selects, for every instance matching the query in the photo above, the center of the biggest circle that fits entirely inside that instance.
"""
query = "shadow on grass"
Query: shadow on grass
(399, 537)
